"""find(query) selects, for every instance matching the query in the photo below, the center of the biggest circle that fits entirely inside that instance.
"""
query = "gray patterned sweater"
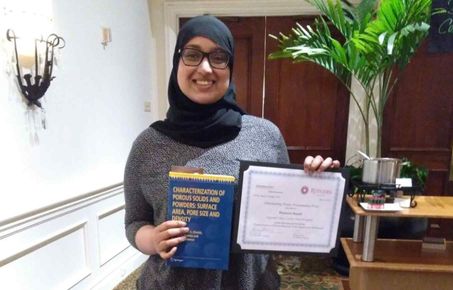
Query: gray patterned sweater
(145, 186)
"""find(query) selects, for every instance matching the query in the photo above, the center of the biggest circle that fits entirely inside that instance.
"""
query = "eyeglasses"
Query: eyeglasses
(218, 59)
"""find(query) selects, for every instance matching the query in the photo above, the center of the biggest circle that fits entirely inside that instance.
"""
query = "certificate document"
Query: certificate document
(287, 210)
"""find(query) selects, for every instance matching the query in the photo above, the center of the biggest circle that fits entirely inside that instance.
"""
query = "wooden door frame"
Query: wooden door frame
(448, 190)
(175, 9)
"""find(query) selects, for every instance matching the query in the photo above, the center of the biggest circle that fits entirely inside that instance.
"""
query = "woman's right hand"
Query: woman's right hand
(162, 239)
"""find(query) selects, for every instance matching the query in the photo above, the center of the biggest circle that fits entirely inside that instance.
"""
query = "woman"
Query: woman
(204, 128)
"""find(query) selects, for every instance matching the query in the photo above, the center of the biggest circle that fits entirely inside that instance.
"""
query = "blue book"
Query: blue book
(205, 203)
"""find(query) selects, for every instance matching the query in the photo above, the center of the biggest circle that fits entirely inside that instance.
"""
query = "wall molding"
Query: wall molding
(103, 217)
(111, 211)
(41, 214)
(44, 242)
(87, 233)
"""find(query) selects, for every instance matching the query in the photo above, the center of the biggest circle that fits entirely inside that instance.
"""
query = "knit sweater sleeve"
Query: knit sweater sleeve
(282, 150)
(138, 211)
(278, 142)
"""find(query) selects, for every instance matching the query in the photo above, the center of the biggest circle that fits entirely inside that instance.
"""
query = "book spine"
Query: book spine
(201, 177)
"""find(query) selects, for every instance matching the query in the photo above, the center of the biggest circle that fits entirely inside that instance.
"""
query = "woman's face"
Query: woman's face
(203, 84)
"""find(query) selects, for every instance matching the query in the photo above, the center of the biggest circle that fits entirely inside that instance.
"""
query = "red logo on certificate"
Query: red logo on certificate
(304, 189)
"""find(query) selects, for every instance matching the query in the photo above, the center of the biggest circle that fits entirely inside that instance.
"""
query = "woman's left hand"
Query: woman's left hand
(319, 164)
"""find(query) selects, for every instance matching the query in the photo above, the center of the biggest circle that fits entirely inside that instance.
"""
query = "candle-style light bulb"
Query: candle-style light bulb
(26, 50)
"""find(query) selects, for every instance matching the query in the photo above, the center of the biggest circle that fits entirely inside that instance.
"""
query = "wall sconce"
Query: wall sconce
(106, 36)
(41, 82)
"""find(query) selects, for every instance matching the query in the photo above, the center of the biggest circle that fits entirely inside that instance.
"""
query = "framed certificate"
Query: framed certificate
(280, 208)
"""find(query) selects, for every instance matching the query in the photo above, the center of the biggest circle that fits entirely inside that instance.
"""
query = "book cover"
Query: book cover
(205, 203)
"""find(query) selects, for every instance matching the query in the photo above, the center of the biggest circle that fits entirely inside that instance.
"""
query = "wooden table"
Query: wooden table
(367, 222)
(398, 264)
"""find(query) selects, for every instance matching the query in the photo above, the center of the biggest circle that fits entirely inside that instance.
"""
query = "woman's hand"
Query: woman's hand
(162, 239)
(319, 164)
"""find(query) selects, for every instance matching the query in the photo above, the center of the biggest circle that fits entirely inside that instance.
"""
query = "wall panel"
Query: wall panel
(76, 245)
(111, 243)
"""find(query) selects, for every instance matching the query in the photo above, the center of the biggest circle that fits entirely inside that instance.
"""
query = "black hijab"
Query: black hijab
(196, 124)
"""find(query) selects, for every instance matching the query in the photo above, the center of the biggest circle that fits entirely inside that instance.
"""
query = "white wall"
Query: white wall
(94, 106)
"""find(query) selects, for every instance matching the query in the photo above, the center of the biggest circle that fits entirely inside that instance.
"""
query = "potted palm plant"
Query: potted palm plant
(378, 40)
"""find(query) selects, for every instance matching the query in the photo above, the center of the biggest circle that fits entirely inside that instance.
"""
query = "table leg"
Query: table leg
(371, 227)
(358, 228)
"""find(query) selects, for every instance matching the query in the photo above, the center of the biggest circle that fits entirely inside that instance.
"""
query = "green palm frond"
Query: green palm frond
(375, 39)
(365, 12)
(335, 12)
(314, 45)
(396, 32)
(377, 36)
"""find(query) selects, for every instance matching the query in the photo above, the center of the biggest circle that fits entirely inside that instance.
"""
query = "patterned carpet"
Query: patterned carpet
(306, 272)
